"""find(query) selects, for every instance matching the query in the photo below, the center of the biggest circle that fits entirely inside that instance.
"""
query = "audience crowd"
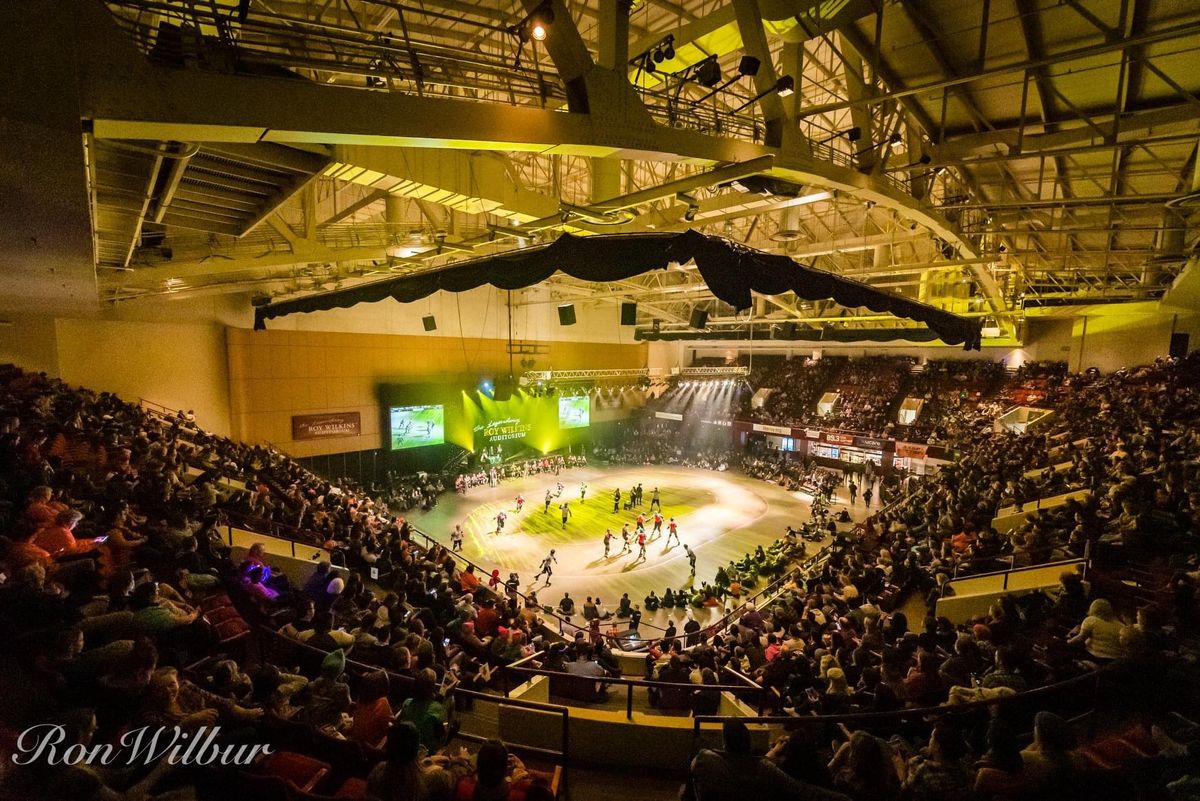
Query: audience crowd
(124, 606)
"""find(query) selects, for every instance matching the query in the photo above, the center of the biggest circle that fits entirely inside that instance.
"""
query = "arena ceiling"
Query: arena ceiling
(992, 157)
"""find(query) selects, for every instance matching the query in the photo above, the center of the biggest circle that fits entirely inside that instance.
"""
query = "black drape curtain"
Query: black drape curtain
(731, 271)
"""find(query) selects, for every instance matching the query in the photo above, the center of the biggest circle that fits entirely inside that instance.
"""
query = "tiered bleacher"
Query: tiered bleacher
(123, 606)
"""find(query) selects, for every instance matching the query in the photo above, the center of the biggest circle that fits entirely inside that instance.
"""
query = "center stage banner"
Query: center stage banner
(503, 430)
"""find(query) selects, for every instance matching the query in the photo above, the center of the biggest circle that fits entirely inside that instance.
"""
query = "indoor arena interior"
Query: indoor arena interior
(600, 400)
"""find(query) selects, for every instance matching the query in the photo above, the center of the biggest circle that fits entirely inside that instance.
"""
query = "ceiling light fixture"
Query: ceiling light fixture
(536, 26)
(539, 21)
(784, 87)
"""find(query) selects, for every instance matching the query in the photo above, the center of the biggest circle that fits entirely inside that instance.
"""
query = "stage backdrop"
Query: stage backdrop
(423, 421)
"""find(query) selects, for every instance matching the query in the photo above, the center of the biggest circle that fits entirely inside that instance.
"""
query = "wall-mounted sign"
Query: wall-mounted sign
(766, 429)
(319, 426)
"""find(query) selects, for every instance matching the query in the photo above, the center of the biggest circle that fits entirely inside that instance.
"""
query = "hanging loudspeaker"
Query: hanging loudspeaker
(699, 318)
(789, 330)
(429, 322)
(566, 314)
(1179, 346)
(628, 314)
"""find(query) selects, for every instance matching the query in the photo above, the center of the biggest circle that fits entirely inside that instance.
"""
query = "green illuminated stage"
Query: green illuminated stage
(476, 419)
(521, 418)
(590, 518)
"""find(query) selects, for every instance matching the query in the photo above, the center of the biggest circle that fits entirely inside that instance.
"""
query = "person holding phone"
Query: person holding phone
(59, 539)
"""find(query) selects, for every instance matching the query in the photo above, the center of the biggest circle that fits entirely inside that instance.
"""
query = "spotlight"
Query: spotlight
(784, 87)
(540, 21)
(658, 57)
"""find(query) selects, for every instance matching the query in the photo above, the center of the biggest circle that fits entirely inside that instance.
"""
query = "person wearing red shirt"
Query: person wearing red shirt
(963, 540)
(487, 619)
(773, 648)
(373, 713)
(498, 775)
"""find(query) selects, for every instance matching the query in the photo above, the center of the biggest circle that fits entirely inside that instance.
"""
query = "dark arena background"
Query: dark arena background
(600, 400)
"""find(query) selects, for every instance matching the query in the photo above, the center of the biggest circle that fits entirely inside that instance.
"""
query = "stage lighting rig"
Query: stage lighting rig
(784, 87)
(648, 60)
(535, 26)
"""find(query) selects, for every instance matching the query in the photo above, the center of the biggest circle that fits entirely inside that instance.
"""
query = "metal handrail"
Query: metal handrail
(500, 700)
(1093, 677)
(1019, 508)
(630, 684)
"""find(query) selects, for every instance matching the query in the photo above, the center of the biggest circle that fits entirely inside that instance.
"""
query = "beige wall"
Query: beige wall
(275, 374)
(180, 365)
(1110, 341)
(31, 343)
(1106, 337)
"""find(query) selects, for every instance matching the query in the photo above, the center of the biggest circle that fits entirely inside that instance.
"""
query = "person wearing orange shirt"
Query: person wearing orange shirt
(117, 552)
(59, 539)
(23, 552)
(467, 580)
(43, 509)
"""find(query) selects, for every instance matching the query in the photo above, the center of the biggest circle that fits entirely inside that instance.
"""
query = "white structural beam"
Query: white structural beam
(124, 96)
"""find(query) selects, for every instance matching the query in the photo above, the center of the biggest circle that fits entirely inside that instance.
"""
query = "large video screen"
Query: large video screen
(417, 426)
(574, 412)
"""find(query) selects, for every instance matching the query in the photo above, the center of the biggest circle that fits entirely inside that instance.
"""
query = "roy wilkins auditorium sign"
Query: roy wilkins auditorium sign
(319, 426)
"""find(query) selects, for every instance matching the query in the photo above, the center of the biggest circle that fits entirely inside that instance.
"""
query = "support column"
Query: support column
(614, 35)
(606, 179)
(46, 256)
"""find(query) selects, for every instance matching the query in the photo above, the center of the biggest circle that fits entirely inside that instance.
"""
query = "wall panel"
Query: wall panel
(275, 374)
